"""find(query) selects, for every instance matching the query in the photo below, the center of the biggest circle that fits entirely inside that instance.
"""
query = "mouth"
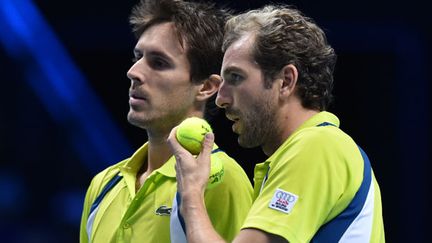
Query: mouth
(235, 119)
(137, 98)
(231, 116)
(137, 95)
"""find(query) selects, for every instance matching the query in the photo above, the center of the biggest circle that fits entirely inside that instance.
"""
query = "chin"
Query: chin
(137, 120)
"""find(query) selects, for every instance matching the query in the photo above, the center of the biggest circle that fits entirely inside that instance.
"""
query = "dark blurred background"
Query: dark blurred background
(64, 100)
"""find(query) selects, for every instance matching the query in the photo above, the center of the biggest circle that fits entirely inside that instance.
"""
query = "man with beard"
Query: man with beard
(317, 185)
(178, 49)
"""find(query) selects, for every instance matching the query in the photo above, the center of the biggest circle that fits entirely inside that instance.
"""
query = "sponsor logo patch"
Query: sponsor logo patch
(283, 201)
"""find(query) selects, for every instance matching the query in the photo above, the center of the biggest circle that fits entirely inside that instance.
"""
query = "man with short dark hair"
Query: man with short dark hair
(178, 49)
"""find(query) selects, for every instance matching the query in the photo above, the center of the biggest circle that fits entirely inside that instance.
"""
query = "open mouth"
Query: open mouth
(232, 117)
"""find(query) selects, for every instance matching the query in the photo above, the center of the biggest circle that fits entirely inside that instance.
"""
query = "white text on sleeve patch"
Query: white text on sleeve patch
(283, 201)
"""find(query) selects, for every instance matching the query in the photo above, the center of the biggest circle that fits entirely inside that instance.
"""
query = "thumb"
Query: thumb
(207, 145)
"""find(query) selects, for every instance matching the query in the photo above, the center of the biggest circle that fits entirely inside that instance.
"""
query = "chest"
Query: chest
(135, 218)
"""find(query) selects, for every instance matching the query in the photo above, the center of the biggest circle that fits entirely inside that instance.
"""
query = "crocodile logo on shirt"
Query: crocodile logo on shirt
(163, 211)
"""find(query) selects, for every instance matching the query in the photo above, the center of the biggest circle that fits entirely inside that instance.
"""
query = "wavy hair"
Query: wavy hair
(283, 35)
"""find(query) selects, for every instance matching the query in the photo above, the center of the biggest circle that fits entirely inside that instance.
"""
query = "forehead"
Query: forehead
(162, 38)
(239, 54)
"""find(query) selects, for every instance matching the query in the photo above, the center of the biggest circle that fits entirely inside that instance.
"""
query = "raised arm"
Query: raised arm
(192, 176)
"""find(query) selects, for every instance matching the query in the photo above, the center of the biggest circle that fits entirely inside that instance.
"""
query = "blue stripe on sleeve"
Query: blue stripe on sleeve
(334, 229)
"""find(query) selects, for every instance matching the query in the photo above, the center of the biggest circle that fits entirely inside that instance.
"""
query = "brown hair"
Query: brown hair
(200, 28)
(283, 35)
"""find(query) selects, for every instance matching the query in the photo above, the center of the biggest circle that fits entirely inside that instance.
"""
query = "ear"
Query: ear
(289, 75)
(209, 87)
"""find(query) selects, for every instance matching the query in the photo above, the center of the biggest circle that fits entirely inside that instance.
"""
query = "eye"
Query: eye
(234, 78)
(158, 63)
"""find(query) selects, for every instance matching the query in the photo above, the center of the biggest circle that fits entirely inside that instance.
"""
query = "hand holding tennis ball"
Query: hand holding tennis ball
(190, 134)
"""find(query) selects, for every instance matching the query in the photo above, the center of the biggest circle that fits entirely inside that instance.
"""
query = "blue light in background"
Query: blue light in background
(12, 192)
(66, 95)
(68, 204)
(60, 85)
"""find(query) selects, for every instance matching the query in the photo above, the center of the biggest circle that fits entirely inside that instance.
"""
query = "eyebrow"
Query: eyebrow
(231, 69)
(157, 53)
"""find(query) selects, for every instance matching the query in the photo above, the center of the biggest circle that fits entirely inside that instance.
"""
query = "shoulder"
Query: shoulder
(326, 150)
(314, 141)
(104, 176)
(322, 135)
(232, 170)
(234, 178)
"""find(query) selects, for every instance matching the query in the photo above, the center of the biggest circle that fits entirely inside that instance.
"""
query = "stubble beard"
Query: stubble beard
(162, 121)
(136, 119)
(258, 125)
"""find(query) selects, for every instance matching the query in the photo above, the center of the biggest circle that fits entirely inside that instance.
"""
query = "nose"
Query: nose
(133, 74)
(223, 98)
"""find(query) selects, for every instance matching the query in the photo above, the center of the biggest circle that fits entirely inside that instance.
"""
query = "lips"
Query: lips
(137, 98)
(137, 95)
(231, 116)
(235, 119)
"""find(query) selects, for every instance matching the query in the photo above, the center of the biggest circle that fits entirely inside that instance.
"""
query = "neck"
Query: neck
(158, 152)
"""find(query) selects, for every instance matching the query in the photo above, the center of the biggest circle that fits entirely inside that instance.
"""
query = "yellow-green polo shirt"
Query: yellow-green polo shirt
(318, 186)
(126, 216)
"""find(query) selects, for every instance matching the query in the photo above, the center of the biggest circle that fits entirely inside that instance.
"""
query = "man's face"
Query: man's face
(242, 94)
(161, 93)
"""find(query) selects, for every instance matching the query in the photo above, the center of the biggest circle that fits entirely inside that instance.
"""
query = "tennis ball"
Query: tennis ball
(190, 134)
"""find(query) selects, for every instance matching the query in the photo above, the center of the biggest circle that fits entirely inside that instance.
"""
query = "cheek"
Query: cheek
(259, 104)
(166, 91)
(245, 98)
(170, 82)
(175, 95)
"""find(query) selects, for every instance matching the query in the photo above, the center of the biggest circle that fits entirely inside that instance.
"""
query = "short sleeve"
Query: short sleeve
(305, 183)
